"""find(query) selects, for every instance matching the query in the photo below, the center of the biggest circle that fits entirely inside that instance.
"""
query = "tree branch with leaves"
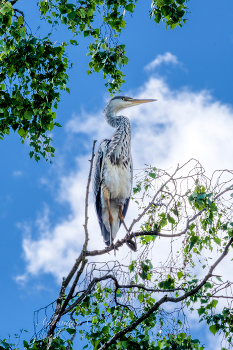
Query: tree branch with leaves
(126, 304)
(34, 71)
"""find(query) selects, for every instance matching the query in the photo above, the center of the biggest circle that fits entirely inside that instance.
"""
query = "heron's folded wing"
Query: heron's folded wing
(97, 179)
(126, 205)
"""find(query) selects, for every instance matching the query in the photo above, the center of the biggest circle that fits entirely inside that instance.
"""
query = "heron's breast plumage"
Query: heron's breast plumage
(117, 178)
(117, 167)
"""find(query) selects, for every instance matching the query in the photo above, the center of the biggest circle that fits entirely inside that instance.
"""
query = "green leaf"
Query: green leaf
(140, 297)
(157, 17)
(71, 330)
(153, 175)
(129, 7)
(148, 238)
(201, 196)
(131, 266)
(73, 42)
(25, 344)
(131, 314)
(171, 219)
(21, 132)
(213, 329)
(27, 115)
(218, 278)
(180, 274)
(194, 240)
(20, 20)
(217, 240)
(105, 329)
(201, 311)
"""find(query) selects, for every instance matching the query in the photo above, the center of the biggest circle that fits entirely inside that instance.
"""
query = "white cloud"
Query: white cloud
(17, 173)
(167, 58)
(180, 125)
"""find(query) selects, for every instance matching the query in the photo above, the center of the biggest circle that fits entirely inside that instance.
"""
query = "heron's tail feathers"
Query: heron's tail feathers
(106, 234)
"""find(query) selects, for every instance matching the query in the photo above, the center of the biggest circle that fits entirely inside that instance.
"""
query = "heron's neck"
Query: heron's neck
(119, 148)
(111, 116)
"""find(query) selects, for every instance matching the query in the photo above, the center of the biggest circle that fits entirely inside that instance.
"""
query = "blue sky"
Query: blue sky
(41, 204)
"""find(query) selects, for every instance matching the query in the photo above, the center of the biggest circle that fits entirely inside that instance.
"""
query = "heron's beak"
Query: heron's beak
(139, 101)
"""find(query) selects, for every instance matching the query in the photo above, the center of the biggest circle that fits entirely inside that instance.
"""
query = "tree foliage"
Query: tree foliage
(34, 71)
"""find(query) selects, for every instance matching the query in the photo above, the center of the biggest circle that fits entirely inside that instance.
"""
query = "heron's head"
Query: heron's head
(118, 103)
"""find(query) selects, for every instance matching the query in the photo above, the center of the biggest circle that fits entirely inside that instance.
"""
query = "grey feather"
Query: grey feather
(97, 178)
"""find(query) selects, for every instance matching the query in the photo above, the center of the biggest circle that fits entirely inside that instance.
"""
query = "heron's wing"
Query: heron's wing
(126, 205)
(97, 179)
(98, 166)
(130, 243)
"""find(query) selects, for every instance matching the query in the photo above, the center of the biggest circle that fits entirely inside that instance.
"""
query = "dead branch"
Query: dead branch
(81, 259)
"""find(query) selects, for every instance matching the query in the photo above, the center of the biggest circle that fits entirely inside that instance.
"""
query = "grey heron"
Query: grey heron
(113, 171)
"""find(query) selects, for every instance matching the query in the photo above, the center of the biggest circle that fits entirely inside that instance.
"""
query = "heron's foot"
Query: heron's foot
(112, 245)
(130, 243)
(107, 250)
(115, 248)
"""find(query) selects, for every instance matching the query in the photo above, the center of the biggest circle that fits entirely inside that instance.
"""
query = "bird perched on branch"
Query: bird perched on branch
(113, 171)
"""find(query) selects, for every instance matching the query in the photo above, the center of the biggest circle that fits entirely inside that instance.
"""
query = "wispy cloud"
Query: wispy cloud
(17, 173)
(167, 58)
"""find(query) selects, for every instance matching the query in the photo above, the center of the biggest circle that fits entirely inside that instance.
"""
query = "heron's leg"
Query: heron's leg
(110, 220)
(132, 245)
(121, 217)
(107, 197)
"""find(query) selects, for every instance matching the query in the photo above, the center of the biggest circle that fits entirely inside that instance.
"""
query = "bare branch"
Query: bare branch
(222, 296)
(82, 258)
(149, 289)
(20, 12)
(224, 191)
(87, 196)
(13, 2)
